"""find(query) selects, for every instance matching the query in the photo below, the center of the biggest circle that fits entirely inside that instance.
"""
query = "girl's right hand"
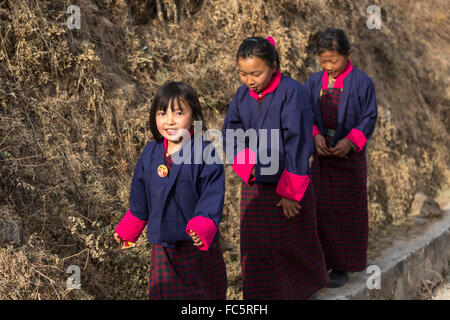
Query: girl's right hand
(321, 146)
(117, 237)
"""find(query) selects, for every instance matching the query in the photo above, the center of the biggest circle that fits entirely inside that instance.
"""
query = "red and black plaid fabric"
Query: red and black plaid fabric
(340, 189)
(281, 258)
(169, 161)
(186, 273)
(330, 106)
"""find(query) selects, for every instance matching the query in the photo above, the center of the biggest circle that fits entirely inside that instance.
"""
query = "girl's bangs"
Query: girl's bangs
(165, 102)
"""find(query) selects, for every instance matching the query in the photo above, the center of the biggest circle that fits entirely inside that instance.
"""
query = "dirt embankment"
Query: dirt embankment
(74, 103)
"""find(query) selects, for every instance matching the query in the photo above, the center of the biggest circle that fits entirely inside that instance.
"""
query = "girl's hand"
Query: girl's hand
(291, 208)
(341, 149)
(321, 146)
(117, 237)
(197, 241)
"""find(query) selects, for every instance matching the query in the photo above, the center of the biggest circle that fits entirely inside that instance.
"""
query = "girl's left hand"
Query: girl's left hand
(197, 241)
(291, 208)
(341, 149)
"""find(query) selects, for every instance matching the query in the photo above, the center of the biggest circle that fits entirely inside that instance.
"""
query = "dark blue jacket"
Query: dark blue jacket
(167, 204)
(358, 107)
(288, 110)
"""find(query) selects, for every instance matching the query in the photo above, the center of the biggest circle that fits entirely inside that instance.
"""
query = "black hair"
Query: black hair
(166, 95)
(261, 48)
(333, 40)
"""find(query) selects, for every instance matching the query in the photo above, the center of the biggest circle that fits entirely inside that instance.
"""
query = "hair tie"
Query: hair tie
(272, 41)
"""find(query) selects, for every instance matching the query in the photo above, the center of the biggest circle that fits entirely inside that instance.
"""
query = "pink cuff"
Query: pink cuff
(130, 227)
(243, 164)
(358, 138)
(315, 131)
(292, 186)
(205, 228)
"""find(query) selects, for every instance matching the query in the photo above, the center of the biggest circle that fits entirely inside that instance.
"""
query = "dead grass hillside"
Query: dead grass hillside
(73, 117)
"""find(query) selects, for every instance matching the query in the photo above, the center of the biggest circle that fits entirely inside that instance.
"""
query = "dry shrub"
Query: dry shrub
(34, 273)
(74, 103)
(428, 287)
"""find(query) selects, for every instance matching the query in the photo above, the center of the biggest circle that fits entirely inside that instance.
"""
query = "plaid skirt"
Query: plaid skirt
(340, 189)
(184, 272)
(281, 258)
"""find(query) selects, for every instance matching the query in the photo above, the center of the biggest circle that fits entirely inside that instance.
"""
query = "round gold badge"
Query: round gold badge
(163, 171)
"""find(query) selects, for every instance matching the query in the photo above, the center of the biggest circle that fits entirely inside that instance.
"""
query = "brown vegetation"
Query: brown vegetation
(73, 117)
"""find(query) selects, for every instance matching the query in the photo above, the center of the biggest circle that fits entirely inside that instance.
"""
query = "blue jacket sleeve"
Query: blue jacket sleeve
(138, 193)
(209, 207)
(363, 130)
(237, 149)
(369, 114)
(296, 124)
(212, 193)
(232, 121)
(310, 92)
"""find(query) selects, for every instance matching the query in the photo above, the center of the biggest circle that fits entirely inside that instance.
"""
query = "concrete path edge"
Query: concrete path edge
(401, 269)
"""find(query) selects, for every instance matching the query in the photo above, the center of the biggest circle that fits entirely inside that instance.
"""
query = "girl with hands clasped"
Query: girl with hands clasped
(340, 150)
(281, 257)
(180, 199)
(345, 112)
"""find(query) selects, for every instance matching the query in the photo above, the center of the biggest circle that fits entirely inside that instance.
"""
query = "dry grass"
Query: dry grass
(73, 117)
(428, 287)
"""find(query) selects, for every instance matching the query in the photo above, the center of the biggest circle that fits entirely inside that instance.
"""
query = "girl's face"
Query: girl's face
(255, 73)
(170, 123)
(333, 62)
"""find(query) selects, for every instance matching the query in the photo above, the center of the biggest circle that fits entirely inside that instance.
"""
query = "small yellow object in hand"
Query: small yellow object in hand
(126, 245)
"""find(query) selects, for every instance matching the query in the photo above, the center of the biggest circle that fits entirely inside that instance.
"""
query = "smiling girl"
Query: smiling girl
(182, 203)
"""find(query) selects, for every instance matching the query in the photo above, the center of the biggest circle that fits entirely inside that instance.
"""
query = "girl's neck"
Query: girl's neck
(331, 81)
(173, 147)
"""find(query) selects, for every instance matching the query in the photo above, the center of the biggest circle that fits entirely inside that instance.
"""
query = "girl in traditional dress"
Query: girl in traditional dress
(345, 112)
(180, 201)
(281, 257)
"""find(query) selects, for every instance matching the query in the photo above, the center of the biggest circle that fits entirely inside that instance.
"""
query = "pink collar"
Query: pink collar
(339, 83)
(271, 86)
